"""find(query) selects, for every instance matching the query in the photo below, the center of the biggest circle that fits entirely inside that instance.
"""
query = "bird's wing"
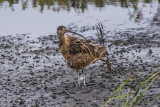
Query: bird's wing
(81, 46)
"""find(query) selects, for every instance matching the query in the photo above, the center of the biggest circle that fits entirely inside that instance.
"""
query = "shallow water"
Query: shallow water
(24, 17)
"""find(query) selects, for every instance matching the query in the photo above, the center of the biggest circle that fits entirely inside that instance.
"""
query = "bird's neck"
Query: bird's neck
(62, 40)
(63, 45)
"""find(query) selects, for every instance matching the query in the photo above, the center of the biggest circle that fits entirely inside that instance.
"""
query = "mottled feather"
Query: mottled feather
(83, 53)
(78, 52)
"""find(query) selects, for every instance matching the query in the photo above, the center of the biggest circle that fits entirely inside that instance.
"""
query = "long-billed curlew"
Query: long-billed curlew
(78, 52)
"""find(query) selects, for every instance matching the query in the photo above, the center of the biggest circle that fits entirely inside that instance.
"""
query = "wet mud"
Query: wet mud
(33, 73)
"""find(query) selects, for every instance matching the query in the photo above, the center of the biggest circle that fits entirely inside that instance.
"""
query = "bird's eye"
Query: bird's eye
(61, 29)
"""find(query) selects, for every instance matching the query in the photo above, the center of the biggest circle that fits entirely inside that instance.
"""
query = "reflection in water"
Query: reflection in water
(78, 5)
(156, 18)
(23, 16)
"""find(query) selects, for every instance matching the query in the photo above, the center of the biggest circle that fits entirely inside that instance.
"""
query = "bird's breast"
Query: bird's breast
(65, 52)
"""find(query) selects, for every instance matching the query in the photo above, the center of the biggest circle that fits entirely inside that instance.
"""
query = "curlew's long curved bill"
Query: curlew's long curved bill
(68, 31)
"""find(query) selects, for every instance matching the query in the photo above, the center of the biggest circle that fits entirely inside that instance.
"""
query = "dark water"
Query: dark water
(41, 17)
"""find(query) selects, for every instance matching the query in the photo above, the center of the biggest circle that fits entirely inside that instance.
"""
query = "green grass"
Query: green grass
(130, 100)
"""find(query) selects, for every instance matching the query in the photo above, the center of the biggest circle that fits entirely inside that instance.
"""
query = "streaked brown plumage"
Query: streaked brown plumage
(78, 52)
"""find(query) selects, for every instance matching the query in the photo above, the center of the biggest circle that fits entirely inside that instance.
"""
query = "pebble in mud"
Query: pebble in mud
(33, 72)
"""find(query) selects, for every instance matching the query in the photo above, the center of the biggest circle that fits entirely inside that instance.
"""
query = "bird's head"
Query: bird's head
(61, 30)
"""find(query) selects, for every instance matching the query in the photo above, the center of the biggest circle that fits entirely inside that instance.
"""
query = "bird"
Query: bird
(78, 52)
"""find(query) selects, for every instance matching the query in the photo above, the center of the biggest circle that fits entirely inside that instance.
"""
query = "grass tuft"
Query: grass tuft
(131, 99)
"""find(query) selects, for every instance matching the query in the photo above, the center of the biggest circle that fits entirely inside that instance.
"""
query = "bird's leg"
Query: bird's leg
(84, 79)
(78, 78)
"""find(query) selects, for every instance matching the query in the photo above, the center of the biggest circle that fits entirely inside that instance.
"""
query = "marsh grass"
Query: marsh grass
(101, 33)
(131, 99)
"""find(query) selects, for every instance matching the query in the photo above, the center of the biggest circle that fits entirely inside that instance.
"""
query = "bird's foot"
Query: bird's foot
(85, 85)
(79, 84)
(84, 82)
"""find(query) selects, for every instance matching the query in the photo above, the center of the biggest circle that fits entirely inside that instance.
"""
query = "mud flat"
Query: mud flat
(33, 73)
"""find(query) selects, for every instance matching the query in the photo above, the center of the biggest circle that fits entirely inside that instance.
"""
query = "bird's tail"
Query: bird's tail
(102, 50)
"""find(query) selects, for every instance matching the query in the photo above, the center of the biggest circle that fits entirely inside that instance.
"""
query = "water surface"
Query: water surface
(42, 17)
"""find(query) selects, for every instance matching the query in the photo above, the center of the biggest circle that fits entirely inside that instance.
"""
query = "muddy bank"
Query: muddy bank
(33, 73)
